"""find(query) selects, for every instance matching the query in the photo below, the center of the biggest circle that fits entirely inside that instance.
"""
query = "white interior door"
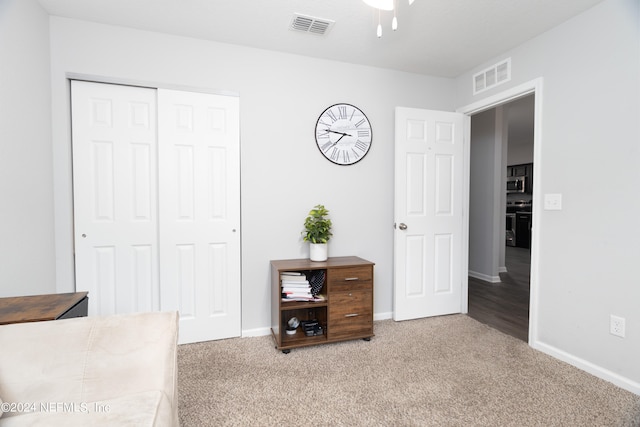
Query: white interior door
(200, 212)
(428, 213)
(115, 197)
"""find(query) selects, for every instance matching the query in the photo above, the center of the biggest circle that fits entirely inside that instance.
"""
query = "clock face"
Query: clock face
(343, 134)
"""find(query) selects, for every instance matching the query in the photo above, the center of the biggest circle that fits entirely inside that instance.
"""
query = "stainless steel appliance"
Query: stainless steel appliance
(516, 184)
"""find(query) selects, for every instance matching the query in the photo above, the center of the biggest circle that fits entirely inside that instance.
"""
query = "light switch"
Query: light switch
(553, 202)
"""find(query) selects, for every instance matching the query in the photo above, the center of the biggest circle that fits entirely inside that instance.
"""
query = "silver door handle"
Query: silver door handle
(402, 226)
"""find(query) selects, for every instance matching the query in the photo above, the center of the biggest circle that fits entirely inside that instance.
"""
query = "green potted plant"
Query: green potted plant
(317, 231)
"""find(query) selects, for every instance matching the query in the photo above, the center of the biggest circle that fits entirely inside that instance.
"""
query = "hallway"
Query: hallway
(504, 306)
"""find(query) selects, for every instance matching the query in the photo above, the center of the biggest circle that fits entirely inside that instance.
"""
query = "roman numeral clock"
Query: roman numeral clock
(343, 134)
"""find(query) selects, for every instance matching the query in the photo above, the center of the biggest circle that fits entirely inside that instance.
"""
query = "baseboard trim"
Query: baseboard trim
(485, 277)
(258, 332)
(595, 370)
(382, 316)
(502, 270)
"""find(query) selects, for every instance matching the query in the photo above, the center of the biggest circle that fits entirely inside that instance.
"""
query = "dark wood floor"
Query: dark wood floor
(504, 306)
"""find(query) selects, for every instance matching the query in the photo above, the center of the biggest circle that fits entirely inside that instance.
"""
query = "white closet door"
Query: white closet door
(199, 148)
(157, 205)
(115, 197)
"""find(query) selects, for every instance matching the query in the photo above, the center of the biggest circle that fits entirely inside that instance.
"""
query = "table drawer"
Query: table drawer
(350, 279)
(350, 313)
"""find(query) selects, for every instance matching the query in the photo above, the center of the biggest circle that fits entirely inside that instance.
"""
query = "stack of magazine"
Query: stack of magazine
(296, 287)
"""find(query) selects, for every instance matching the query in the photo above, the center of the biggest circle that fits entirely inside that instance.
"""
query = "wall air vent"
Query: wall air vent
(310, 24)
(492, 76)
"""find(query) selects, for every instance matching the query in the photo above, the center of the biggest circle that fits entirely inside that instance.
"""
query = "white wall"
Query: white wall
(519, 154)
(589, 152)
(283, 173)
(486, 205)
(520, 121)
(27, 258)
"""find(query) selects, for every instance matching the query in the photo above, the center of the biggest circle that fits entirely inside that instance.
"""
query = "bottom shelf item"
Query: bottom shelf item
(312, 328)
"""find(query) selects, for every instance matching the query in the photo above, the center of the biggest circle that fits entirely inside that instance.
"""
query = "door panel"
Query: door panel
(428, 206)
(444, 184)
(415, 248)
(443, 263)
(200, 212)
(114, 179)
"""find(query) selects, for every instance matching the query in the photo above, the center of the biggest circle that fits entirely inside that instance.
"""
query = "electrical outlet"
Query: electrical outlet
(616, 326)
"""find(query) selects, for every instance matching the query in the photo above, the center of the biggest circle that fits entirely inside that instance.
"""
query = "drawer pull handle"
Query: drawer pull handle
(351, 315)
(351, 278)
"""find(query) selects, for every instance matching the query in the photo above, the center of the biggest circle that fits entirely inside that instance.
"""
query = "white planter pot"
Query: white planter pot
(318, 251)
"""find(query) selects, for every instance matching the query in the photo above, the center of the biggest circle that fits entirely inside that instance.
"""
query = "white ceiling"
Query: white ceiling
(434, 37)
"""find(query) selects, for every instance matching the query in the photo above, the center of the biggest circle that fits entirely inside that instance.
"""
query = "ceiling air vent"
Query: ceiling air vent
(310, 24)
(492, 76)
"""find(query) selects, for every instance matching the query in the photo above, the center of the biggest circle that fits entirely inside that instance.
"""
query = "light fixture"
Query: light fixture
(385, 5)
(380, 4)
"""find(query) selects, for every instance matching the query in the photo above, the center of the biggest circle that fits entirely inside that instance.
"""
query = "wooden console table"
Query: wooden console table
(36, 308)
(346, 313)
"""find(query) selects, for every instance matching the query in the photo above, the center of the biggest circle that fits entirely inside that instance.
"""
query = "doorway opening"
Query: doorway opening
(500, 215)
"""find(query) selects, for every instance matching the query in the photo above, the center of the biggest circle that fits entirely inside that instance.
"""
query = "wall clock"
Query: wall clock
(343, 134)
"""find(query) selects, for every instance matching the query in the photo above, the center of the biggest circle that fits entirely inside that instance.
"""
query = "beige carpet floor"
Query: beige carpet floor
(443, 371)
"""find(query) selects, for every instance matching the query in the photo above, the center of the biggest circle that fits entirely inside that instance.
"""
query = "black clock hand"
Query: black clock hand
(338, 139)
(339, 133)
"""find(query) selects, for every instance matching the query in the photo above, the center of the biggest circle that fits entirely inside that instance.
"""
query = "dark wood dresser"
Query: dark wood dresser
(36, 308)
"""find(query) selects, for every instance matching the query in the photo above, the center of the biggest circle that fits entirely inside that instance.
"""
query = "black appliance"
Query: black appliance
(510, 232)
(523, 230)
(518, 223)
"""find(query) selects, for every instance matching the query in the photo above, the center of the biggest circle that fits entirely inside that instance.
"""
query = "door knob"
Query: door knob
(402, 226)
